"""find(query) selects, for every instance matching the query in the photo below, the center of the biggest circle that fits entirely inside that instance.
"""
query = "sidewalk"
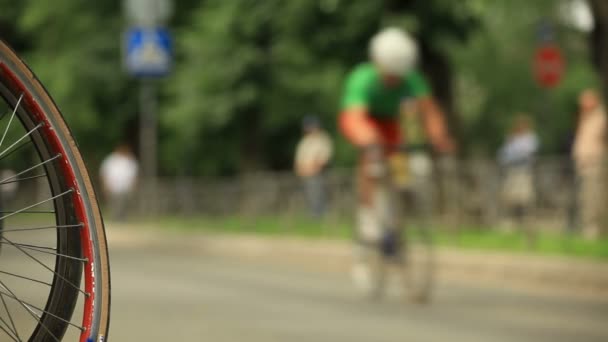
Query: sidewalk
(553, 274)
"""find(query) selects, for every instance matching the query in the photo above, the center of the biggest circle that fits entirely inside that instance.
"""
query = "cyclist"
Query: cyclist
(369, 119)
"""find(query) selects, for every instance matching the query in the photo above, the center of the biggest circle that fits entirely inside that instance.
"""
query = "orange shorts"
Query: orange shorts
(355, 128)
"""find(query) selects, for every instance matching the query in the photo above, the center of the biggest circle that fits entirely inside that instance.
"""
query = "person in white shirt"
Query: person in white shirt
(313, 154)
(119, 177)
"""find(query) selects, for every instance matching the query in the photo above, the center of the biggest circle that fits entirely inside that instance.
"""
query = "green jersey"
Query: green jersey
(364, 87)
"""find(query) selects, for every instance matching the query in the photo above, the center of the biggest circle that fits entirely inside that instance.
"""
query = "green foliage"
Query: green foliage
(261, 66)
(248, 74)
(74, 48)
(495, 78)
(247, 71)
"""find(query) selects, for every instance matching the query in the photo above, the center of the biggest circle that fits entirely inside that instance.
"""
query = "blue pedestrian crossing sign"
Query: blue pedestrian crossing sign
(148, 52)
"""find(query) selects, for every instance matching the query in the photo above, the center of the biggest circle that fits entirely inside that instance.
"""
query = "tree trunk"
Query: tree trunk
(250, 141)
(599, 41)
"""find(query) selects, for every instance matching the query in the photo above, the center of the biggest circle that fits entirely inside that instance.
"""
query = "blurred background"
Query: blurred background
(212, 220)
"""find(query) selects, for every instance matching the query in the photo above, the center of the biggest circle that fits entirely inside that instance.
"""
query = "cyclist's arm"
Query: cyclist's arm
(433, 117)
(435, 125)
(354, 124)
(353, 118)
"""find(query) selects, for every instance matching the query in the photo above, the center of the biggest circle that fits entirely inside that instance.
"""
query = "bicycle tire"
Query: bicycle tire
(82, 252)
(418, 263)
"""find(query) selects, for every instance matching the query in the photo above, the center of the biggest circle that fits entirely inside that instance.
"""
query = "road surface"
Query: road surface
(168, 293)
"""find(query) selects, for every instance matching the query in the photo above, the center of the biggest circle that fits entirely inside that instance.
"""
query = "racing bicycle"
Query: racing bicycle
(395, 235)
(54, 267)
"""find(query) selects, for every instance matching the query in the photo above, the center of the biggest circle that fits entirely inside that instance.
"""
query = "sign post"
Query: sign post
(548, 66)
(148, 56)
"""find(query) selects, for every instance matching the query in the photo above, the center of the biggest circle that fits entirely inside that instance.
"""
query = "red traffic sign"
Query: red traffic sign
(548, 66)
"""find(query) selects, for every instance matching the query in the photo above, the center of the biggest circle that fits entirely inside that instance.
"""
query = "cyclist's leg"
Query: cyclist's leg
(372, 168)
(366, 272)
(387, 197)
(416, 254)
(358, 130)
(375, 217)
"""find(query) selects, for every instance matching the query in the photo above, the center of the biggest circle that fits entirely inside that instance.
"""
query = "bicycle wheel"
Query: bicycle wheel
(418, 259)
(406, 243)
(417, 245)
(54, 268)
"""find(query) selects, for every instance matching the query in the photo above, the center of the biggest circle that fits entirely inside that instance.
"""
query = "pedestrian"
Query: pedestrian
(313, 154)
(588, 154)
(118, 175)
(516, 158)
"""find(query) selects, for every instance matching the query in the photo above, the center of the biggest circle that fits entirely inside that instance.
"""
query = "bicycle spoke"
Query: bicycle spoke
(25, 278)
(30, 169)
(11, 334)
(10, 317)
(36, 249)
(43, 228)
(19, 140)
(26, 212)
(45, 266)
(42, 311)
(24, 179)
(22, 145)
(30, 246)
(11, 119)
(35, 205)
(30, 311)
(44, 250)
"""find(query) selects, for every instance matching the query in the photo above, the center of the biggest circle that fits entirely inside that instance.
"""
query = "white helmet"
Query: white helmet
(394, 51)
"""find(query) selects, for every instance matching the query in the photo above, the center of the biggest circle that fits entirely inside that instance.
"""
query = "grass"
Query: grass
(546, 243)
(465, 237)
(268, 226)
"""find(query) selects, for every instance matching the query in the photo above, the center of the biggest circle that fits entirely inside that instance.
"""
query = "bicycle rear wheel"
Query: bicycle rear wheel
(54, 268)
(418, 263)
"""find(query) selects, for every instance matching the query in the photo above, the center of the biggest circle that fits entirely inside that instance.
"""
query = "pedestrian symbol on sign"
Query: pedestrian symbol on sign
(148, 52)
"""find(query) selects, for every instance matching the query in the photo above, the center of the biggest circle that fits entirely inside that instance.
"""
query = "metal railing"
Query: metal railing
(458, 193)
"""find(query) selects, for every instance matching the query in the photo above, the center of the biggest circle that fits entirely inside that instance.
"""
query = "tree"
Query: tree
(440, 26)
(247, 71)
(599, 40)
(495, 78)
(74, 48)
(250, 70)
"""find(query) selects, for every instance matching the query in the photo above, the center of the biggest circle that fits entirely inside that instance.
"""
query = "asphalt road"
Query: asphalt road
(174, 289)
(168, 293)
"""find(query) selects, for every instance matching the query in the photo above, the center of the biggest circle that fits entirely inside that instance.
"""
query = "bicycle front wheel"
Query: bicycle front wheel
(54, 268)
